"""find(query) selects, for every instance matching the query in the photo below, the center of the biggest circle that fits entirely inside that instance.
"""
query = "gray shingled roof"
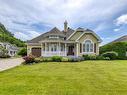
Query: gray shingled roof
(54, 31)
(69, 32)
(121, 39)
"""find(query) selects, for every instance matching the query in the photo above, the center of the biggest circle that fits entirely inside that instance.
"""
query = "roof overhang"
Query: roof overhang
(61, 41)
(85, 32)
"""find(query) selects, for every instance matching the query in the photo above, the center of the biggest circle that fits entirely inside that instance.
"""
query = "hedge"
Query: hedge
(119, 47)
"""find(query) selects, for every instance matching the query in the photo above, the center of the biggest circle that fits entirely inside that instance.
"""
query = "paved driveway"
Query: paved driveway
(9, 63)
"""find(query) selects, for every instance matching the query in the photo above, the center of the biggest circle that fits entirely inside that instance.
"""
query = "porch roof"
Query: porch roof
(61, 41)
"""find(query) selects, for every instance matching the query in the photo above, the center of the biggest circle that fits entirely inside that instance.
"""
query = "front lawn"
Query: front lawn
(81, 78)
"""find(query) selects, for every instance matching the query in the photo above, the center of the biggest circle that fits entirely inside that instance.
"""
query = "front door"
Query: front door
(70, 50)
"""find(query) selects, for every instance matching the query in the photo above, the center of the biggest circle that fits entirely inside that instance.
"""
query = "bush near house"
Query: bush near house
(29, 59)
(75, 59)
(56, 58)
(22, 52)
(112, 55)
(119, 47)
(89, 57)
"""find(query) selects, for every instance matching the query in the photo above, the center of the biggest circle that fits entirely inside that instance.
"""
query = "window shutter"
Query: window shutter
(80, 48)
(95, 47)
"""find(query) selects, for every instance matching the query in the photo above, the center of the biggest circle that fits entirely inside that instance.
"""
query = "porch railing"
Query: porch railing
(54, 53)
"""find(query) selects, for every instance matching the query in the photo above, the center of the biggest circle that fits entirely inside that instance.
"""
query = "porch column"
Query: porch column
(76, 49)
(65, 49)
(59, 48)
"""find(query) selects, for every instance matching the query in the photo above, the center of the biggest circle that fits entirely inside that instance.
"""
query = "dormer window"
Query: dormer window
(54, 36)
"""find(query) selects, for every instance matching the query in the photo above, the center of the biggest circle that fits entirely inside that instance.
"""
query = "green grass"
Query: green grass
(82, 78)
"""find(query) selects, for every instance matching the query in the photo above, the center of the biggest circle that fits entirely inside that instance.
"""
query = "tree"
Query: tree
(3, 52)
(22, 52)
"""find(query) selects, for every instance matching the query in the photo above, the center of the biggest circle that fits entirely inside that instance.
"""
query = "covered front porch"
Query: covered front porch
(58, 49)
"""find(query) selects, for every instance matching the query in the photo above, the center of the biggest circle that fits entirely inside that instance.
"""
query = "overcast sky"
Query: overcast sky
(27, 19)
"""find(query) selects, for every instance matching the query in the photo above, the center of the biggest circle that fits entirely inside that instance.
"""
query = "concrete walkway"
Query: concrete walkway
(9, 63)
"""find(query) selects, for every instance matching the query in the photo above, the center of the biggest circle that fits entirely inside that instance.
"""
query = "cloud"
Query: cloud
(117, 29)
(27, 35)
(121, 20)
(22, 16)
(22, 36)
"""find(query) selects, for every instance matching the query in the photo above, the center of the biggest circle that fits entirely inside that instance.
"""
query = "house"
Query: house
(68, 42)
(11, 49)
(121, 39)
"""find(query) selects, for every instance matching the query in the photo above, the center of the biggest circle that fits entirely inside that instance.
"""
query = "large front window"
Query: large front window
(88, 46)
(54, 47)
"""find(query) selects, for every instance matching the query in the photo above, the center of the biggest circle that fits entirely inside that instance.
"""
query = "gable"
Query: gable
(75, 35)
(54, 31)
(89, 36)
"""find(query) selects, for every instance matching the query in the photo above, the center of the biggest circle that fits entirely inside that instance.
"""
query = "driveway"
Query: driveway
(9, 63)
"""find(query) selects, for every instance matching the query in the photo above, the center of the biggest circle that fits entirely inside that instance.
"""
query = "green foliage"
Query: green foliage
(56, 58)
(22, 52)
(48, 59)
(3, 53)
(119, 47)
(65, 59)
(107, 58)
(112, 55)
(75, 59)
(95, 57)
(100, 57)
(89, 57)
(82, 78)
(6, 36)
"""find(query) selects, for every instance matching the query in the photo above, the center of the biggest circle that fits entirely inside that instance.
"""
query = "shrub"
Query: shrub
(99, 57)
(5, 56)
(119, 47)
(22, 52)
(46, 59)
(37, 60)
(29, 59)
(65, 59)
(112, 55)
(106, 58)
(86, 57)
(56, 58)
(89, 57)
(75, 59)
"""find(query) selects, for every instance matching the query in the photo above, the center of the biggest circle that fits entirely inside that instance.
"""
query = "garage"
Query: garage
(36, 52)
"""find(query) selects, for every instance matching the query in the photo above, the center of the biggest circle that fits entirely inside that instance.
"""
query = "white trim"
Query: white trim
(91, 33)
(77, 49)
(83, 45)
(80, 36)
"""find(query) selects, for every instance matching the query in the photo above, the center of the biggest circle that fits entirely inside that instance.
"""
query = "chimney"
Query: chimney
(65, 26)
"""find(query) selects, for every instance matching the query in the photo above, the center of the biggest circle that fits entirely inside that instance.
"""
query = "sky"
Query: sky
(27, 19)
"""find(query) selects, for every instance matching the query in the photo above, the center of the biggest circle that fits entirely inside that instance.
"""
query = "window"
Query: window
(62, 47)
(53, 47)
(88, 46)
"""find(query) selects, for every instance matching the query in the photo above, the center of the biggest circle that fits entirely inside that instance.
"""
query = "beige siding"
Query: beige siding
(29, 47)
(90, 37)
(76, 35)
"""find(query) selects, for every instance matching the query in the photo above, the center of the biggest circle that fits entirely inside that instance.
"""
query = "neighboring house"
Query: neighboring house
(68, 42)
(121, 39)
(12, 50)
